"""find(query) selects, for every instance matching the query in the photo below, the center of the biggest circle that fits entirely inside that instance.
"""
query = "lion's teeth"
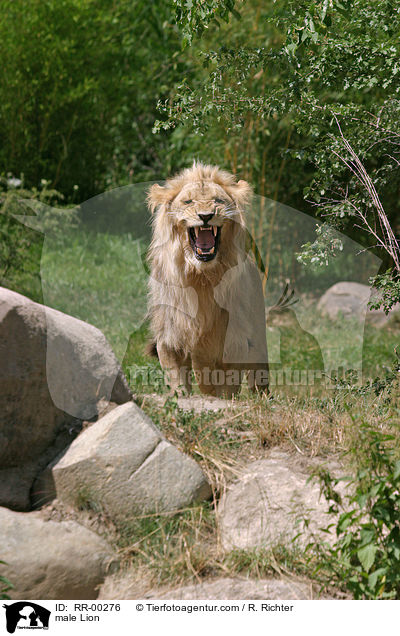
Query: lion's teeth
(212, 250)
(214, 230)
(196, 231)
(199, 251)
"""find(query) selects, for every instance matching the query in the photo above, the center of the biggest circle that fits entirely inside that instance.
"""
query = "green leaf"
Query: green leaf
(374, 576)
(396, 471)
(344, 521)
(291, 48)
(366, 556)
(367, 535)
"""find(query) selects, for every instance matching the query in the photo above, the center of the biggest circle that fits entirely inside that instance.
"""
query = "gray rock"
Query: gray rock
(350, 300)
(228, 589)
(55, 371)
(263, 508)
(123, 464)
(126, 586)
(82, 369)
(49, 560)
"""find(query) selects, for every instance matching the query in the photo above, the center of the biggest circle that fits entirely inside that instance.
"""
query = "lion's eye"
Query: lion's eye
(188, 201)
(219, 201)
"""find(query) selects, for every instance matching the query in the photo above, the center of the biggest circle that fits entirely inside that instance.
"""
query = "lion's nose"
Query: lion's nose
(206, 217)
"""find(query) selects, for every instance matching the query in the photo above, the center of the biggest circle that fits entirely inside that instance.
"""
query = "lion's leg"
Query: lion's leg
(218, 379)
(258, 378)
(177, 367)
(203, 371)
(233, 378)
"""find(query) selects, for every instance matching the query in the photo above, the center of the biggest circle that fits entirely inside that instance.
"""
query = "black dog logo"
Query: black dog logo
(26, 615)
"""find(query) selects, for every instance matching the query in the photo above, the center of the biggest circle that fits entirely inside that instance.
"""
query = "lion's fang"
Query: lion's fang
(196, 231)
(214, 230)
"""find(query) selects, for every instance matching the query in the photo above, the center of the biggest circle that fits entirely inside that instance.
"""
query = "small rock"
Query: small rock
(123, 464)
(263, 507)
(196, 403)
(46, 559)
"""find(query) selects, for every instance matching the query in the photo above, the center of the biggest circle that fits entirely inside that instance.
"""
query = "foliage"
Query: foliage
(255, 149)
(388, 284)
(327, 71)
(384, 386)
(20, 247)
(320, 252)
(365, 558)
(76, 105)
(193, 17)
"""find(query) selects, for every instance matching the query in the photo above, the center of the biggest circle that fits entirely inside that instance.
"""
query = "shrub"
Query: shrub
(365, 558)
(20, 246)
(76, 103)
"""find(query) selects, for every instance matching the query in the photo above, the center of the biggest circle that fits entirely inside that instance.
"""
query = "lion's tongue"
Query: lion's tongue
(205, 240)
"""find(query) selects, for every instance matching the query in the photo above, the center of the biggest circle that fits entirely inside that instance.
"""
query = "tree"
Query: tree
(79, 83)
(330, 71)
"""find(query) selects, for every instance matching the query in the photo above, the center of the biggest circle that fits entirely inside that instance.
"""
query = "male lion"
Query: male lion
(206, 304)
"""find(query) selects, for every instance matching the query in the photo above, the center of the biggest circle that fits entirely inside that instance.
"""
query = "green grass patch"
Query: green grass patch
(100, 278)
(172, 547)
(260, 563)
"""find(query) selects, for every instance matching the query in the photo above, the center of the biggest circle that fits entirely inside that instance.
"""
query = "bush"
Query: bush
(76, 103)
(365, 558)
(20, 246)
(389, 286)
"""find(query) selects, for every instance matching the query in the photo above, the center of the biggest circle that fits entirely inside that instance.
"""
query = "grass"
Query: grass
(175, 549)
(170, 547)
(102, 279)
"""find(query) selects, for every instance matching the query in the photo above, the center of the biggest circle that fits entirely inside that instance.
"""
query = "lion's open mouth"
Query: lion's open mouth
(204, 241)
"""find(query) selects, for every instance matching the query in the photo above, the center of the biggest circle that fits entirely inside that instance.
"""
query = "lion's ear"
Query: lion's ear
(241, 193)
(158, 195)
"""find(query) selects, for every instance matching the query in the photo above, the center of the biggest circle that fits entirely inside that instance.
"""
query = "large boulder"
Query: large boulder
(350, 300)
(50, 560)
(55, 371)
(124, 465)
(267, 505)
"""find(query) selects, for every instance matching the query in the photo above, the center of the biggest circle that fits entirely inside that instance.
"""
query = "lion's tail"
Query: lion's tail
(151, 349)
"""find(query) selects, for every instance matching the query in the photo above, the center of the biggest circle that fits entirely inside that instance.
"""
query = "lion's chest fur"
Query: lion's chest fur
(187, 317)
